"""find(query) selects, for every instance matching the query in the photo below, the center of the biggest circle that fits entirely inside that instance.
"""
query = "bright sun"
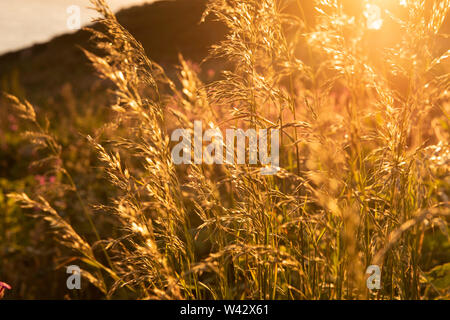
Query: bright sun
(372, 13)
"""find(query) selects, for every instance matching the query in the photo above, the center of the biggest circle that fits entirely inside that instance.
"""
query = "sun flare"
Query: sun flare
(372, 13)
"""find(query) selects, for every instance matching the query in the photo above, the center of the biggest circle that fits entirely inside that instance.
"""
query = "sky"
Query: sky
(26, 22)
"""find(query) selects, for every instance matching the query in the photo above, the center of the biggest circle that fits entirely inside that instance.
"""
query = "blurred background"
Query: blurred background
(27, 22)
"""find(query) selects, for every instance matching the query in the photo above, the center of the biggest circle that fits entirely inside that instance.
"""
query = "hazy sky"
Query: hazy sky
(25, 22)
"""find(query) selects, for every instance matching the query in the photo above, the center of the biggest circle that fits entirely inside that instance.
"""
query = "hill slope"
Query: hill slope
(165, 28)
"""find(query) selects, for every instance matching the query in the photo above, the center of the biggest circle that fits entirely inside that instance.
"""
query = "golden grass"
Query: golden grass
(364, 160)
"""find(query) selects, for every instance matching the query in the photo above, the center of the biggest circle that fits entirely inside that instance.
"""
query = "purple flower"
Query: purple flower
(3, 286)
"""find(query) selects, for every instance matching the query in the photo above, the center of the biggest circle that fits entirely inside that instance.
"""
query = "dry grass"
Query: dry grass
(364, 160)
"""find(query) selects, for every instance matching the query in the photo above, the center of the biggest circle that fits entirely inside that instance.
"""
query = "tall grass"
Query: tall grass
(364, 159)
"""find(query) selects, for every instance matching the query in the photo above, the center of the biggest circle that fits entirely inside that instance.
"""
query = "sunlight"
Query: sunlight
(229, 150)
(372, 13)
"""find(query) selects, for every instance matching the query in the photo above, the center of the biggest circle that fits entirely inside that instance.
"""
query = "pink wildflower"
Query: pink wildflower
(40, 179)
(211, 73)
(3, 286)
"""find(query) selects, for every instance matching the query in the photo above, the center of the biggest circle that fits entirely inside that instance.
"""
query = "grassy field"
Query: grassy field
(358, 90)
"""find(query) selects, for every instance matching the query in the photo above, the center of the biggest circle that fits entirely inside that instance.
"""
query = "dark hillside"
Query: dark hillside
(164, 28)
